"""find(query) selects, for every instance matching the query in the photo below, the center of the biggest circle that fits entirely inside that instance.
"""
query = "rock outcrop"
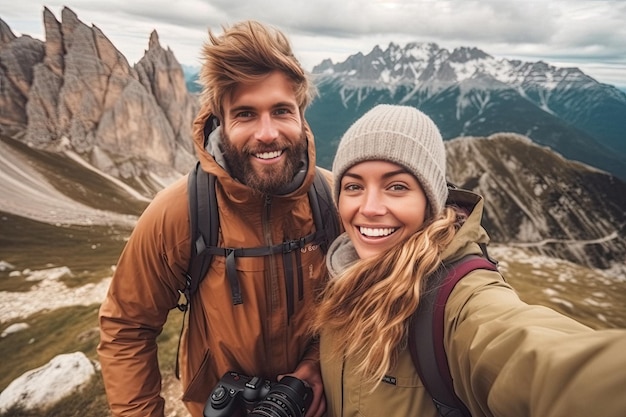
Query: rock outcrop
(536, 199)
(18, 57)
(126, 121)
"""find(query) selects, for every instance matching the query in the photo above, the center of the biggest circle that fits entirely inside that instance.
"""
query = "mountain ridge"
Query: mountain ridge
(536, 198)
(468, 92)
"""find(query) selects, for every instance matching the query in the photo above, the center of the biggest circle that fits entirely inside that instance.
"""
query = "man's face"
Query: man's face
(263, 133)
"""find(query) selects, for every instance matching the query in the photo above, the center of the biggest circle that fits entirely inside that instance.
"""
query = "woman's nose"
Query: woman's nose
(373, 204)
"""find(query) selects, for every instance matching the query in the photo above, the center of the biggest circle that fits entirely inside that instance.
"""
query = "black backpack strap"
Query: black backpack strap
(203, 227)
(426, 332)
(324, 210)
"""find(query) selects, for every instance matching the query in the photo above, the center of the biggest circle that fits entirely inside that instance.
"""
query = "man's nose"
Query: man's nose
(266, 129)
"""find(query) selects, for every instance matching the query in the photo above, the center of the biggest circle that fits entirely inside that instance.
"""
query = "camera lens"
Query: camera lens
(288, 398)
(275, 406)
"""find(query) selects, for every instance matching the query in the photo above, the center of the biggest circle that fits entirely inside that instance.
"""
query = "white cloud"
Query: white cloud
(585, 33)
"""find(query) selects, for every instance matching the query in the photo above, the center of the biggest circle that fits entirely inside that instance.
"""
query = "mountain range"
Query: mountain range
(467, 92)
(537, 199)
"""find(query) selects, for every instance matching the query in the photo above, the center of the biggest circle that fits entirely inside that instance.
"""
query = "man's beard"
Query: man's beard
(270, 178)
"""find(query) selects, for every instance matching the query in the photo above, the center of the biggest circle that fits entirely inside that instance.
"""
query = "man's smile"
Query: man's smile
(268, 155)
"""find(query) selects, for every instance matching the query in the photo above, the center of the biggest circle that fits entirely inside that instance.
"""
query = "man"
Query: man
(251, 134)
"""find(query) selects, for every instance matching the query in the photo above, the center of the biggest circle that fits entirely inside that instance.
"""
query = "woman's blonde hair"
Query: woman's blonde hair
(247, 52)
(366, 309)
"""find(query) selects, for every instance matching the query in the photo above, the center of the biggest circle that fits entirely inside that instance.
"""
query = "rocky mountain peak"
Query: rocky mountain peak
(76, 85)
(55, 50)
(18, 57)
(154, 40)
(424, 65)
(394, 65)
(6, 34)
(162, 75)
(422, 51)
(465, 54)
(326, 64)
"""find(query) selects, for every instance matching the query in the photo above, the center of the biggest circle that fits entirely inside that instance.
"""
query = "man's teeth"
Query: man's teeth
(268, 155)
(368, 231)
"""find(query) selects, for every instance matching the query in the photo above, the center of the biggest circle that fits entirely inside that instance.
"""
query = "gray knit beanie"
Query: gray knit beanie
(402, 135)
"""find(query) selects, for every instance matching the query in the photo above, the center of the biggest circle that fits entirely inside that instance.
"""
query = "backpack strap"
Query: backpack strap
(426, 333)
(324, 210)
(203, 227)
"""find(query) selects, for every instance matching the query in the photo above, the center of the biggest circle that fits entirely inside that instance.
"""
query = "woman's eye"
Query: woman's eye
(398, 187)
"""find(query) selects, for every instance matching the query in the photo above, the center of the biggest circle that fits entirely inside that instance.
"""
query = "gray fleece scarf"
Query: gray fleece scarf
(341, 255)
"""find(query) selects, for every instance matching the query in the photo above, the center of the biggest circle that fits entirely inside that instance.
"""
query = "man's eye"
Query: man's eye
(244, 114)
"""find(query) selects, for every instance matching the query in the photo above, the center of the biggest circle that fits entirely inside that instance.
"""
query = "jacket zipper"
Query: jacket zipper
(267, 232)
(272, 283)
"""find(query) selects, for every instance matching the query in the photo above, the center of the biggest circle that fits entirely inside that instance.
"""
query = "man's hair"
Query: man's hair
(247, 52)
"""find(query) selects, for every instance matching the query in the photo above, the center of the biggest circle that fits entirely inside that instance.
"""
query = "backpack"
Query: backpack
(426, 329)
(204, 231)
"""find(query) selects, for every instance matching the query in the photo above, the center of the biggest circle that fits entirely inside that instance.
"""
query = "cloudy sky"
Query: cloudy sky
(588, 34)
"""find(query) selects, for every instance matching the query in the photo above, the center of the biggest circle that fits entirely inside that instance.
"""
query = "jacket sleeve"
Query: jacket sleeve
(142, 292)
(509, 358)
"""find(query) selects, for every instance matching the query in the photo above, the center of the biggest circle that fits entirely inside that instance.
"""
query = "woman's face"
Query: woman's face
(380, 204)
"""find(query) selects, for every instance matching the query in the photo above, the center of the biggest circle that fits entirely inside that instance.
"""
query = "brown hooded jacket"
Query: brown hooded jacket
(256, 338)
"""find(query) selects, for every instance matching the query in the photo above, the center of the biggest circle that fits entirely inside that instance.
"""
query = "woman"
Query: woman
(507, 358)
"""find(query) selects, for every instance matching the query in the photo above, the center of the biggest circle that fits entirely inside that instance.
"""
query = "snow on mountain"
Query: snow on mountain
(468, 92)
(426, 64)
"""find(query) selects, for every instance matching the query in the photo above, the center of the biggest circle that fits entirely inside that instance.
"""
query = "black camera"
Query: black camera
(240, 395)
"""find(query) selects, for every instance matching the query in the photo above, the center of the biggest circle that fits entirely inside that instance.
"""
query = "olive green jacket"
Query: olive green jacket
(507, 358)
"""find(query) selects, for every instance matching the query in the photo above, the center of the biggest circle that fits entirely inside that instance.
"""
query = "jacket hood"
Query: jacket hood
(342, 254)
(206, 137)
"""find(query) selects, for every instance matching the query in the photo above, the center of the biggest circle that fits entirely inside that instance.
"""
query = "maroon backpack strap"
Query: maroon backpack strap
(426, 332)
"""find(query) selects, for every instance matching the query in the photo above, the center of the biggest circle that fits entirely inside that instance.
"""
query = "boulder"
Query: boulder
(42, 387)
